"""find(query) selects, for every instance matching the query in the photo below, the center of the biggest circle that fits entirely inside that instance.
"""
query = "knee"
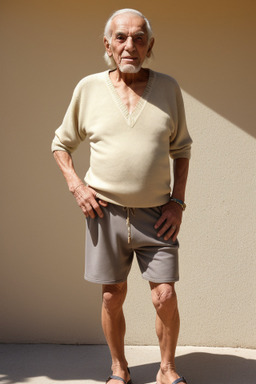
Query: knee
(164, 296)
(113, 297)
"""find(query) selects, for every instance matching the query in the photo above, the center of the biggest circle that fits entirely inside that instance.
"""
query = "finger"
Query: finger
(97, 208)
(85, 213)
(174, 238)
(84, 210)
(94, 203)
(87, 210)
(103, 203)
(173, 232)
(160, 221)
(90, 212)
(163, 230)
(170, 233)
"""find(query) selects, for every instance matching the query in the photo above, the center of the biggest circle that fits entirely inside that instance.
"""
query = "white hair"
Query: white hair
(108, 32)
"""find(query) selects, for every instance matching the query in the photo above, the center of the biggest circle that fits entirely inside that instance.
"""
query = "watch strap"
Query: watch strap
(180, 202)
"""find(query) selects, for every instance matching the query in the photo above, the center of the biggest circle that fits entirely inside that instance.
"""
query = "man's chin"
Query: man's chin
(129, 68)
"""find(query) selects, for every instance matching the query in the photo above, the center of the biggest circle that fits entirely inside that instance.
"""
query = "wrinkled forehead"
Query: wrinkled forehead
(129, 24)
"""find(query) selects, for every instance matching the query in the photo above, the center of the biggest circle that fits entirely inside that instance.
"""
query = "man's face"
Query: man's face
(129, 44)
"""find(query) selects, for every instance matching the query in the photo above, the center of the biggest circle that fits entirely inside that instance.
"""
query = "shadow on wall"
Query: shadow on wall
(212, 54)
(20, 363)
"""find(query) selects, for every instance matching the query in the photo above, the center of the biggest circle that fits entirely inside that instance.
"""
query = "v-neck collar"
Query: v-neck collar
(132, 117)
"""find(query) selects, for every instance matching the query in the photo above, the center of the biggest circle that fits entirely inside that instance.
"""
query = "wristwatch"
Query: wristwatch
(180, 202)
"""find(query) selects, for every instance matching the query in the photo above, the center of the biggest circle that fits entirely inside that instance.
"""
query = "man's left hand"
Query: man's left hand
(169, 221)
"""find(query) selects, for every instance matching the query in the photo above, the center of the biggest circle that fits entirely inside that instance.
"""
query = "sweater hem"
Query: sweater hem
(136, 203)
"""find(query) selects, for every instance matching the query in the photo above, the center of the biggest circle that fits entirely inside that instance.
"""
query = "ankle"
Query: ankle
(167, 367)
(120, 368)
(166, 374)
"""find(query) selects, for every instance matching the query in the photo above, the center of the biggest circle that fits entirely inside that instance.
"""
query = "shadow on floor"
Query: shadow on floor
(21, 363)
(207, 368)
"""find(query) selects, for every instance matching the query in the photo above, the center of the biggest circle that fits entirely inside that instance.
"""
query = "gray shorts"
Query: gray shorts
(109, 254)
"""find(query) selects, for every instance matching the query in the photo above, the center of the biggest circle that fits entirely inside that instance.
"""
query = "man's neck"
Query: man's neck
(129, 78)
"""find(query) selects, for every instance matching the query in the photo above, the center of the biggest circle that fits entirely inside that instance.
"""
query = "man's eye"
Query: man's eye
(120, 38)
(139, 39)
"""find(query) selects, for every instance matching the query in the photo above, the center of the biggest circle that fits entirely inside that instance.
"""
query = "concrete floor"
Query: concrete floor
(88, 364)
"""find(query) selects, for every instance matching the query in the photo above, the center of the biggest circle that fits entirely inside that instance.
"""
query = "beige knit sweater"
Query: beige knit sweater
(129, 153)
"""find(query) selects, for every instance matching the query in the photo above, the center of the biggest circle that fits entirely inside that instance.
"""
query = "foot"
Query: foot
(119, 376)
(167, 376)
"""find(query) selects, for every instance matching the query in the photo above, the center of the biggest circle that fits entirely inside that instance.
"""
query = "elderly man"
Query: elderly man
(134, 119)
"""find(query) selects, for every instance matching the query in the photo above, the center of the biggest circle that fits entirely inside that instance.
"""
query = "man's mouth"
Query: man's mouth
(130, 59)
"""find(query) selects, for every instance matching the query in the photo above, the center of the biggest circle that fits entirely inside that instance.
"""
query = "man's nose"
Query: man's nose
(129, 46)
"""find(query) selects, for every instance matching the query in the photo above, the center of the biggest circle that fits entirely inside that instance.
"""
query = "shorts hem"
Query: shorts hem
(91, 280)
(159, 281)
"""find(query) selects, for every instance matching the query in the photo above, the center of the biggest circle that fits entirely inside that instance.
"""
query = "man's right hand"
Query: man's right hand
(85, 196)
(86, 199)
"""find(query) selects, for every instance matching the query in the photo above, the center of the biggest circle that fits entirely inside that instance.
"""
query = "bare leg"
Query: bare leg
(167, 328)
(113, 324)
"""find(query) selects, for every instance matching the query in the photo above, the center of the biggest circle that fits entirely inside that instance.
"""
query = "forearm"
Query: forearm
(65, 163)
(170, 220)
(84, 195)
(180, 172)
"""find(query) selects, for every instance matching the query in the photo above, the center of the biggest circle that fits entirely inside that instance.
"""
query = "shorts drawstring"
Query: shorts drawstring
(128, 210)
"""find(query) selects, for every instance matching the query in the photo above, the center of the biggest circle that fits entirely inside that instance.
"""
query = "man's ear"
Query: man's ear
(152, 41)
(107, 46)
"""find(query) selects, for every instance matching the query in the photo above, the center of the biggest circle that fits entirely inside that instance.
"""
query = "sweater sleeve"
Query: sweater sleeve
(69, 135)
(180, 140)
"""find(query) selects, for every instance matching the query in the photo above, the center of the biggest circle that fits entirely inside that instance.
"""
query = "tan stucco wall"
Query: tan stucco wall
(47, 47)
